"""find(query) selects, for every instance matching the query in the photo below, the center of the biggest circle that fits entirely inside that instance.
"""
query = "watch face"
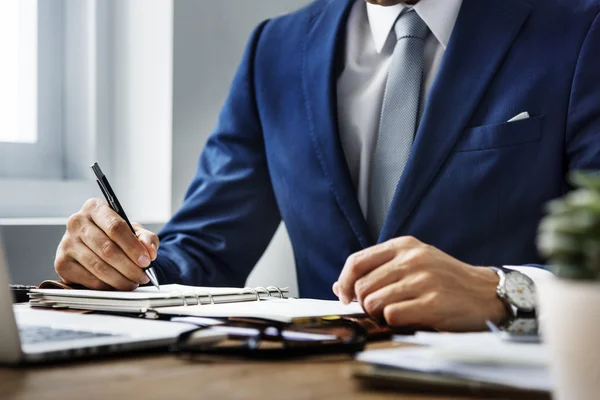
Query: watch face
(520, 291)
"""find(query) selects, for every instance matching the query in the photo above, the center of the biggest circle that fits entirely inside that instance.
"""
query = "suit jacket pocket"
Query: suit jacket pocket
(501, 135)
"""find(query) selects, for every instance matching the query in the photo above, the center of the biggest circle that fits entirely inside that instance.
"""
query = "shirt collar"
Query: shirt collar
(439, 15)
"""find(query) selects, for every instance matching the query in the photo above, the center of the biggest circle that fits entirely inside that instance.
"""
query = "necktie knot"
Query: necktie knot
(411, 25)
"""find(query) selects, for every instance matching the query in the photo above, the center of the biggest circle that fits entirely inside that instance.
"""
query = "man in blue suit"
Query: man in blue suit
(405, 144)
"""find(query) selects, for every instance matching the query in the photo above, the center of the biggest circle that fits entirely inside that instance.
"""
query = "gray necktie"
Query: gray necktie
(399, 117)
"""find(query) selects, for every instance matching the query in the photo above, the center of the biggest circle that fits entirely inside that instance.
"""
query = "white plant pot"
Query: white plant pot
(570, 323)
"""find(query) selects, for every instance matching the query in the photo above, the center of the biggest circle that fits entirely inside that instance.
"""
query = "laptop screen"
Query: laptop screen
(10, 346)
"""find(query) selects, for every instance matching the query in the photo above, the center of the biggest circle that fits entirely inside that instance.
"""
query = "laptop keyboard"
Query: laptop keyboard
(44, 334)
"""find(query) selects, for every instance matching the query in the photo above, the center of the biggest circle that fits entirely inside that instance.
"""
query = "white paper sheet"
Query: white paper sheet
(435, 338)
(428, 360)
(283, 310)
(480, 348)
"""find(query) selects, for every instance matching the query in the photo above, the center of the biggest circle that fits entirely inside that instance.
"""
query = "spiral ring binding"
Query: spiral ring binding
(275, 288)
(186, 296)
(182, 296)
(253, 291)
(197, 296)
(210, 296)
(262, 289)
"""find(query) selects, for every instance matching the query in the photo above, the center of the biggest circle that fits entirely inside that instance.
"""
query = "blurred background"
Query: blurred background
(133, 84)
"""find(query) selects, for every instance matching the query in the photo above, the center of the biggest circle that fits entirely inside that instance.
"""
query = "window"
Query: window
(77, 75)
(18, 41)
(30, 140)
(45, 111)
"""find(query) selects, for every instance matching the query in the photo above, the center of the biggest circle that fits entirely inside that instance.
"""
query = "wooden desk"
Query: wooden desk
(167, 377)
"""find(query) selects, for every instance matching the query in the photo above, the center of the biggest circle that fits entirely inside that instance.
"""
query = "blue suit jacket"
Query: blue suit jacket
(475, 185)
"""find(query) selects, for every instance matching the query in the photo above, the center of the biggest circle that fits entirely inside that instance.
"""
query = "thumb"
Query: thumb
(148, 239)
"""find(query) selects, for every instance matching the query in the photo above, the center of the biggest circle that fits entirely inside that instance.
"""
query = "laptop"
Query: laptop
(31, 336)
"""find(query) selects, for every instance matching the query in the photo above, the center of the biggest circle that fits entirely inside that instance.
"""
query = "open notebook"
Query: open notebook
(267, 303)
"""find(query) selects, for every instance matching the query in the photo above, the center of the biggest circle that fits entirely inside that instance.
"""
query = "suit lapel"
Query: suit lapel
(482, 36)
(321, 57)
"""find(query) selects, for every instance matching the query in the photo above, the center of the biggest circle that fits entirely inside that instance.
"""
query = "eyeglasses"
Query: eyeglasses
(268, 340)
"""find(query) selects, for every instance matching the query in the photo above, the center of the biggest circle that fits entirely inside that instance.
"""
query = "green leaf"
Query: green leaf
(580, 222)
(571, 272)
(569, 236)
(586, 179)
(583, 199)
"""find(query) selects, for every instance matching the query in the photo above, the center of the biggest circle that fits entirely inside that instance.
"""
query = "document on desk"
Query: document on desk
(480, 357)
(485, 347)
(281, 310)
(266, 303)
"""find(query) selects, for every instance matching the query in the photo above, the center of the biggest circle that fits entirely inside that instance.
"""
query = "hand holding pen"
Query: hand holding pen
(111, 199)
(99, 249)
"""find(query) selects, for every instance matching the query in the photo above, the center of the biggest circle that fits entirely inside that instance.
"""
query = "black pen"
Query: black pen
(113, 202)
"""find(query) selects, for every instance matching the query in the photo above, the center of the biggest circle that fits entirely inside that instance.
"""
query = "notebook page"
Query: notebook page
(282, 310)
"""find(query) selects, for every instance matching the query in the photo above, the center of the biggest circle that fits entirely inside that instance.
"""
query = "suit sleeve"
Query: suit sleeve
(229, 214)
(583, 119)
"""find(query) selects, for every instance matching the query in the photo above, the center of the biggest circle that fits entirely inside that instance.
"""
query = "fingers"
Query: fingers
(411, 312)
(365, 261)
(336, 288)
(111, 254)
(378, 278)
(375, 302)
(100, 269)
(100, 251)
(76, 273)
(118, 231)
(357, 265)
(148, 239)
(91, 271)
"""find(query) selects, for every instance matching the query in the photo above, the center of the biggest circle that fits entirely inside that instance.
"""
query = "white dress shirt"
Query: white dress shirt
(370, 42)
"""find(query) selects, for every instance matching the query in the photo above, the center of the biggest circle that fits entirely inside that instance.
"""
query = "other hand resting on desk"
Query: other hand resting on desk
(410, 283)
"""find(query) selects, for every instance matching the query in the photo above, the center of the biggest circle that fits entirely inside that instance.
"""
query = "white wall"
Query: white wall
(141, 106)
(209, 38)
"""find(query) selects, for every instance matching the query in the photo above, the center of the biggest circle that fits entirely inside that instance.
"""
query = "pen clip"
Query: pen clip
(100, 179)
(107, 196)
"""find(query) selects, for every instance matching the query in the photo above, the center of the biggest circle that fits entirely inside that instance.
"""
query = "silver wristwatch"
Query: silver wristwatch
(516, 290)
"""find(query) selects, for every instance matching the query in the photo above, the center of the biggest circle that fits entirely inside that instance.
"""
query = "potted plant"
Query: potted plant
(569, 238)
